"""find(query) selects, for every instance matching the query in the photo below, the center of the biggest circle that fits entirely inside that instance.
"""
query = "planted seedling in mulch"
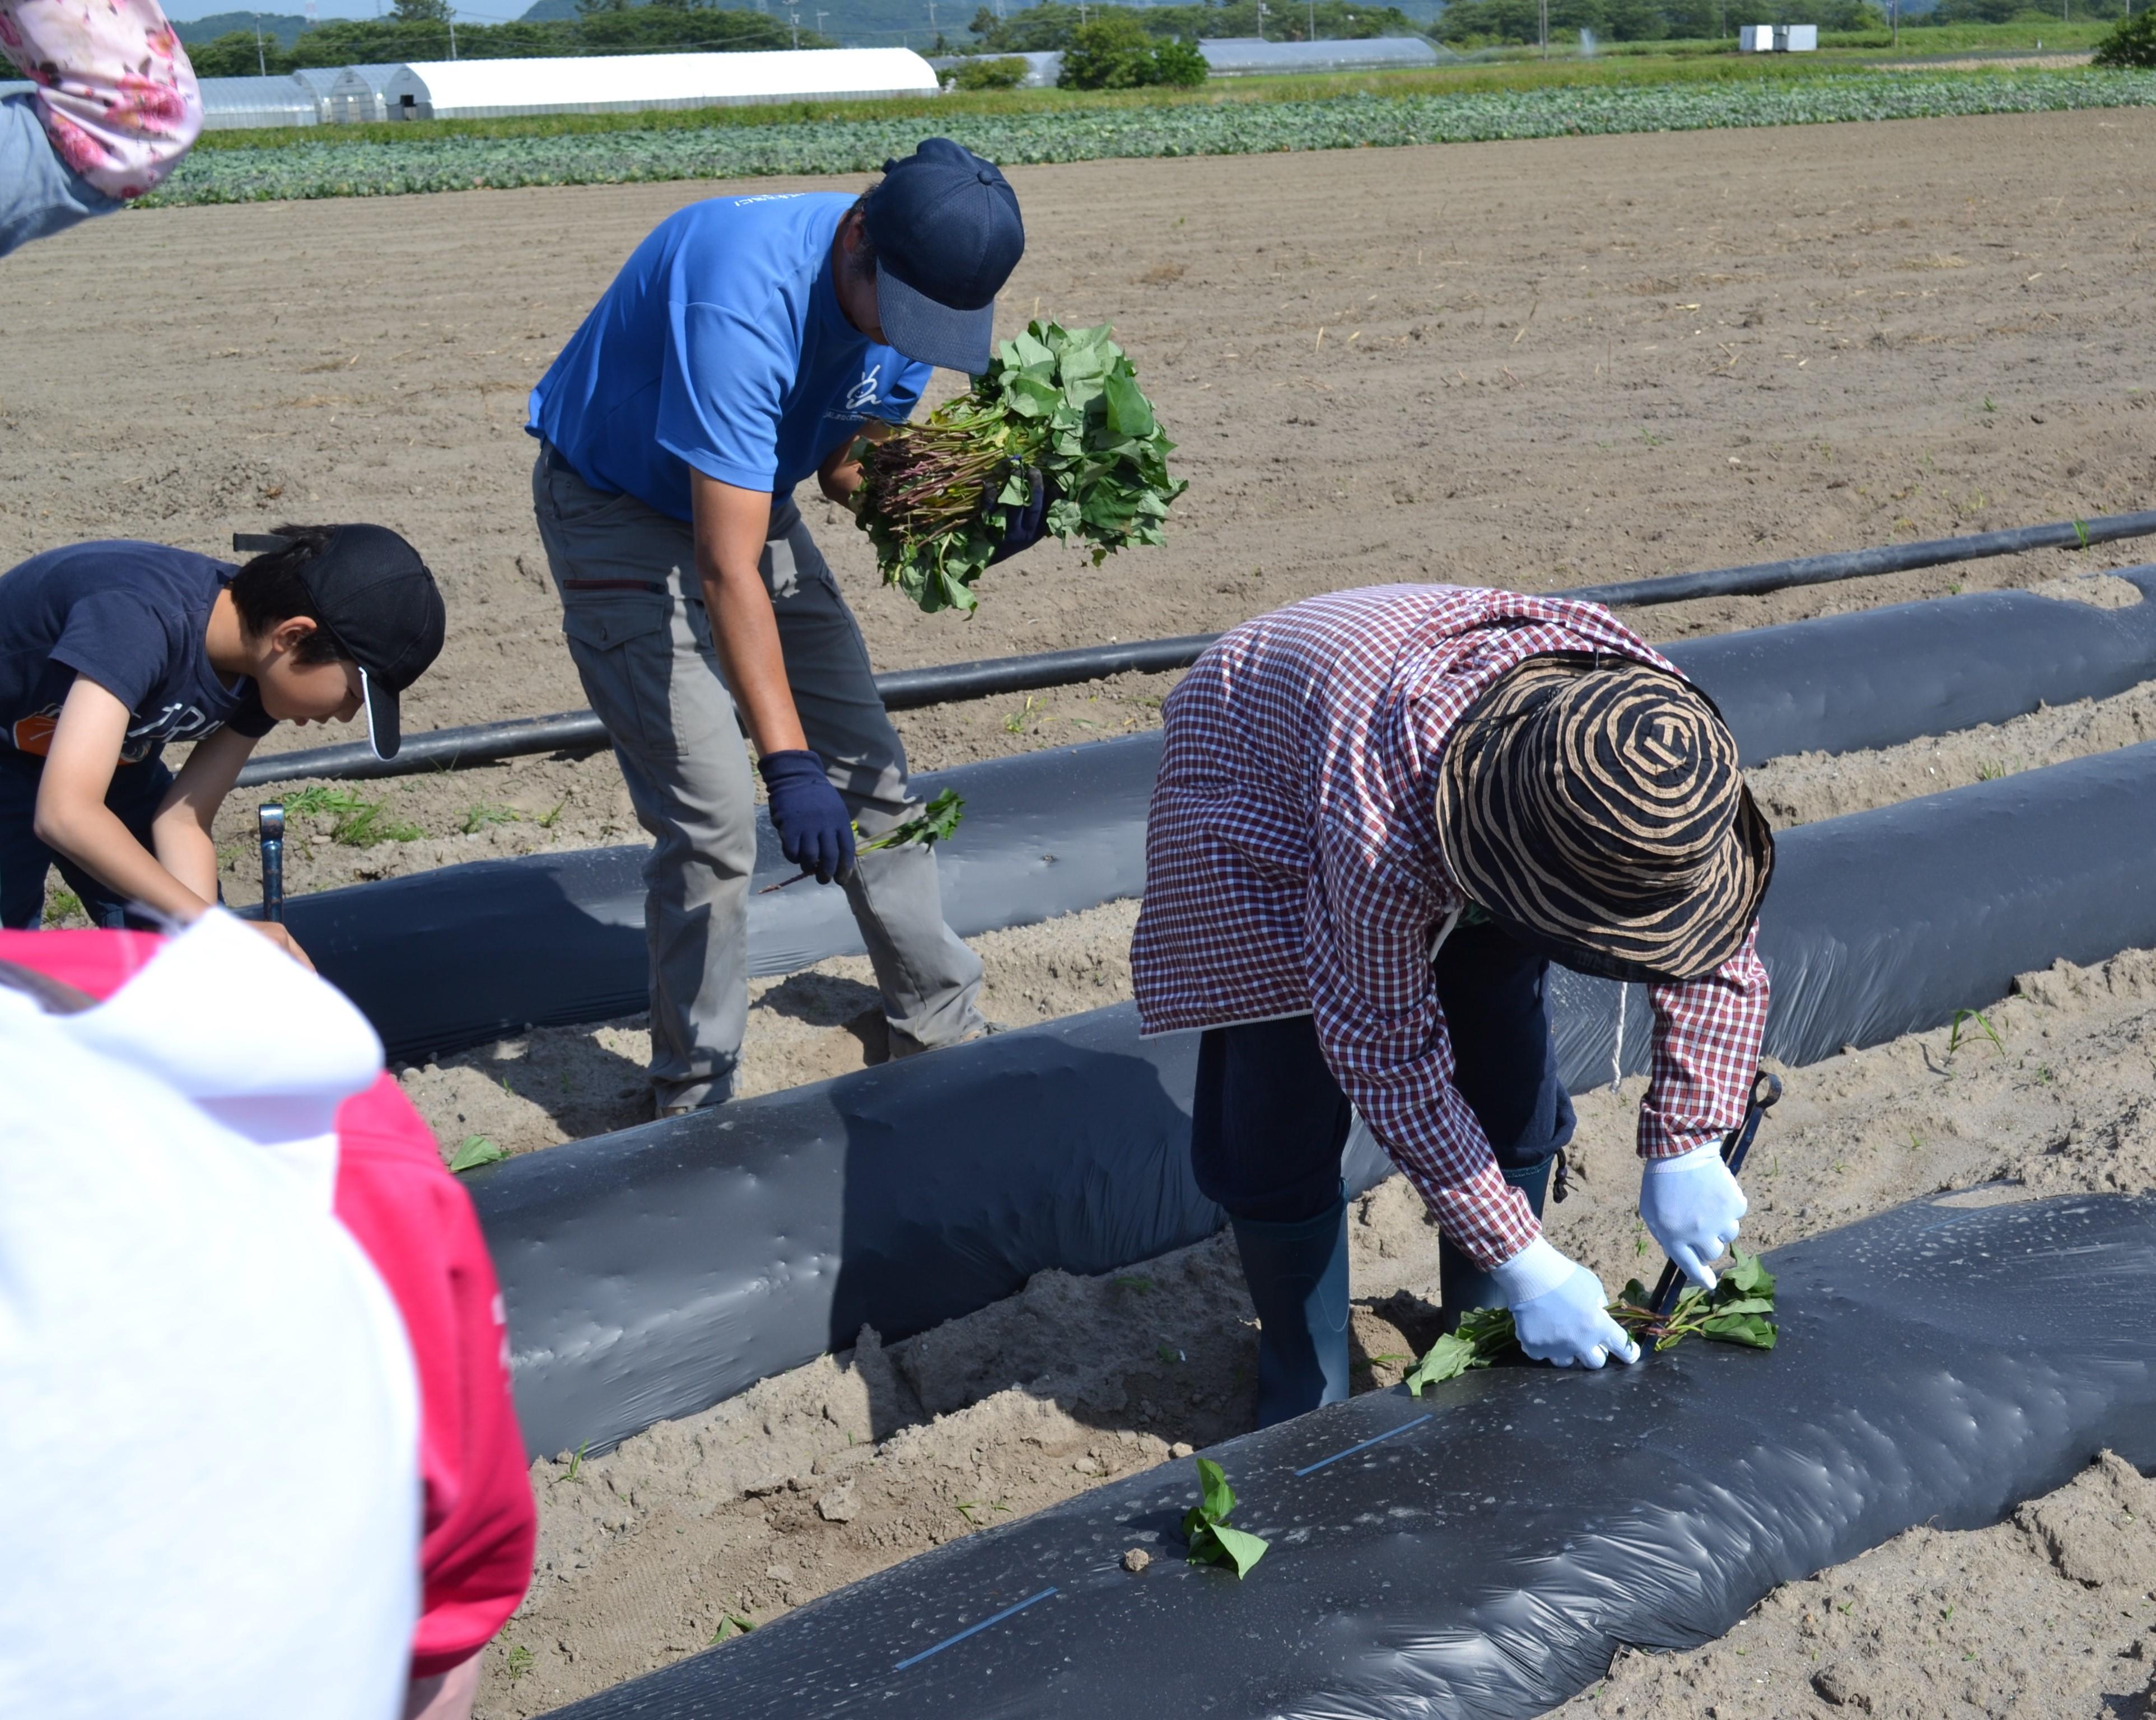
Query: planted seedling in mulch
(1061, 405)
(474, 1151)
(1205, 1525)
(1740, 1309)
(933, 824)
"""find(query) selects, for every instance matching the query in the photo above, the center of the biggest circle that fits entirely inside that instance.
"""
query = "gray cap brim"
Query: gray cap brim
(930, 333)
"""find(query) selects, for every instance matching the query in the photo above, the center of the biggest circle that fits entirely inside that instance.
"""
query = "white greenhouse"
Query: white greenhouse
(629, 83)
(230, 103)
(317, 81)
(1245, 56)
(357, 95)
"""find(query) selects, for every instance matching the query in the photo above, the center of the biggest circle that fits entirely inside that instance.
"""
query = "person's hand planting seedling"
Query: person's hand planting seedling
(933, 823)
(1056, 438)
(1740, 1309)
(1205, 1525)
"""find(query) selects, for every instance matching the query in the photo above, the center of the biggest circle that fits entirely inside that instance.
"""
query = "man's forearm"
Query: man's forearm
(745, 633)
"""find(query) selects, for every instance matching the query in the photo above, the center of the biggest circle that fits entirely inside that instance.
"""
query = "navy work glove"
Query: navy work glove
(814, 831)
(1028, 524)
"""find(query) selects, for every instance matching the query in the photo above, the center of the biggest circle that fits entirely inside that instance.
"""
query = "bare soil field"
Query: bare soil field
(1532, 364)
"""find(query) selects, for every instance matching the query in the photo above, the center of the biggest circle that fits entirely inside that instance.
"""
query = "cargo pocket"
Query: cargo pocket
(624, 647)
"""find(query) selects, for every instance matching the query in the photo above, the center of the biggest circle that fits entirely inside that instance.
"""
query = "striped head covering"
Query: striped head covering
(1592, 805)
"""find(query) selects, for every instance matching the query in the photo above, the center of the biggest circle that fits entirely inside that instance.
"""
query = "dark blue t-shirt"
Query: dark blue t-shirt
(131, 617)
(720, 346)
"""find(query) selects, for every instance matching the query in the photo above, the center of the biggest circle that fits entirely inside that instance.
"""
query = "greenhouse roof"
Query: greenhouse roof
(472, 89)
(1244, 56)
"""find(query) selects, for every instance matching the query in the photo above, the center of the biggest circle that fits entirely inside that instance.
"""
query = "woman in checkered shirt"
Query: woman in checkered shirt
(1380, 814)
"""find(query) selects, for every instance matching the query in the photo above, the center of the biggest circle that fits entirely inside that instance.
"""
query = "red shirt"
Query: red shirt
(416, 1226)
(1293, 868)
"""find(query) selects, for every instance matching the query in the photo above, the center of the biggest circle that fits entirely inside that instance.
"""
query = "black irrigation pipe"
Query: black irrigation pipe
(450, 958)
(1483, 1553)
(578, 731)
(653, 1272)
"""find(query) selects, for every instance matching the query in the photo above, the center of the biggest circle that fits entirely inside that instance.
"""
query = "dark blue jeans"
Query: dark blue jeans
(1268, 1120)
(136, 792)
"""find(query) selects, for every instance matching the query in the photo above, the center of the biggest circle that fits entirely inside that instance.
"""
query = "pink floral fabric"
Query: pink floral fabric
(115, 89)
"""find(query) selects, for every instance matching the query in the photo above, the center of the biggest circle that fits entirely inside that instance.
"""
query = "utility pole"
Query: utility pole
(1311, 6)
(453, 36)
(820, 16)
(794, 19)
(1545, 20)
(1261, 20)
(261, 64)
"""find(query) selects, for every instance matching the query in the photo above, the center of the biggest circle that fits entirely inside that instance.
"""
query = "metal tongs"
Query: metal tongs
(1766, 1090)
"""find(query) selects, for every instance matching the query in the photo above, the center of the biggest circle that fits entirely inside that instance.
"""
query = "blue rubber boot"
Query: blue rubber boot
(1298, 1278)
(1461, 1284)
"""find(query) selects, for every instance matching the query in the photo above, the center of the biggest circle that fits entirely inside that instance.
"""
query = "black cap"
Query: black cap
(946, 227)
(377, 600)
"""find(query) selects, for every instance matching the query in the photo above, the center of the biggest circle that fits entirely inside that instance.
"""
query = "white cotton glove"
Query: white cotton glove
(1560, 1313)
(1691, 1205)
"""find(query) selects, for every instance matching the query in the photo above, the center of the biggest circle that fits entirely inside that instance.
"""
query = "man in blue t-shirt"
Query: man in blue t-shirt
(747, 344)
(108, 651)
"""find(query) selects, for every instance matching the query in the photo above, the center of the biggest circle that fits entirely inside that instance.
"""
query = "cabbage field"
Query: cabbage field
(361, 167)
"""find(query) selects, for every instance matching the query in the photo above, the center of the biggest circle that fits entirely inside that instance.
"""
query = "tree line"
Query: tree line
(420, 30)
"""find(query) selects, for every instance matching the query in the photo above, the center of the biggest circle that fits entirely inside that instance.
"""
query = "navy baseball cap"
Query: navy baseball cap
(945, 227)
(375, 597)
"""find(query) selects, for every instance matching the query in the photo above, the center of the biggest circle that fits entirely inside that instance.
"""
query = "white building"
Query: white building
(231, 103)
(357, 95)
(632, 83)
(1246, 56)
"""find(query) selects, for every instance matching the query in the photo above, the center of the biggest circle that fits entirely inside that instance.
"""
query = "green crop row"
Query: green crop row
(364, 168)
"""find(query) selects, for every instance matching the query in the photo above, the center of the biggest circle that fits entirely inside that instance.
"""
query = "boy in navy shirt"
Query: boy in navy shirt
(745, 347)
(110, 650)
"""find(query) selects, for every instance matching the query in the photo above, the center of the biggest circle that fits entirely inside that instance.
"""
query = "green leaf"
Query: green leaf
(1750, 1278)
(1218, 1498)
(474, 1151)
(1238, 1548)
(1130, 413)
(1750, 1329)
(1449, 1357)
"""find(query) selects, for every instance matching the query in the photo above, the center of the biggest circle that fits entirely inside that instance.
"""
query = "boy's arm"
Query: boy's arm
(181, 829)
(72, 819)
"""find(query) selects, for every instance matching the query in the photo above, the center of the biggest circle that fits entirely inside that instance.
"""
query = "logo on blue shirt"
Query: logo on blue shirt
(863, 394)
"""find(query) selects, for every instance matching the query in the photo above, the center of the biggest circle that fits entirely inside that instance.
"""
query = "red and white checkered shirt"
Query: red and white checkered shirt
(1292, 867)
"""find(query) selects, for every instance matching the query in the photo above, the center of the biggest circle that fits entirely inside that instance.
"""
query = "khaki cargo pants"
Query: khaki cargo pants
(633, 611)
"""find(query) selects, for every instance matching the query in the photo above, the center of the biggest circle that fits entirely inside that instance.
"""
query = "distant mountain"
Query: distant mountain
(855, 23)
(285, 26)
(907, 24)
